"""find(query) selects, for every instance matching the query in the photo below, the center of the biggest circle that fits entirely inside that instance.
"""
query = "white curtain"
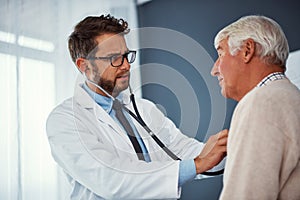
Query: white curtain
(37, 74)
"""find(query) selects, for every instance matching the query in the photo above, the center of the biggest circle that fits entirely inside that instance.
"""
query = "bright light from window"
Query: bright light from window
(37, 97)
(33, 43)
(7, 37)
(8, 127)
(29, 42)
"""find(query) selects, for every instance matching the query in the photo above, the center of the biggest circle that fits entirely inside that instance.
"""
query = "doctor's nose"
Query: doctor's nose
(125, 65)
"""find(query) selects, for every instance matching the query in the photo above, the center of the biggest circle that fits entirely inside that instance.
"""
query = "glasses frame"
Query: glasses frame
(110, 58)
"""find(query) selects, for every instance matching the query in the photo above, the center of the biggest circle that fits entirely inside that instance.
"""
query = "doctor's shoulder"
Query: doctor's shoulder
(148, 106)
(60, 115)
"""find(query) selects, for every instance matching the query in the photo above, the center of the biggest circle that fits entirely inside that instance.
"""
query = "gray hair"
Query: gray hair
(271, 44)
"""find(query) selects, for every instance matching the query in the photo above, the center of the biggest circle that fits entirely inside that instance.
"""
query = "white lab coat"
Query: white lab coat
(98, 157)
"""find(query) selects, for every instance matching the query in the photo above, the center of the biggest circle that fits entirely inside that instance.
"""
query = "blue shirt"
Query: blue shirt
(187, 169)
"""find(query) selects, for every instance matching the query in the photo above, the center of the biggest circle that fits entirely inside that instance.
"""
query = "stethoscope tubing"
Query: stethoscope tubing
(140, 120)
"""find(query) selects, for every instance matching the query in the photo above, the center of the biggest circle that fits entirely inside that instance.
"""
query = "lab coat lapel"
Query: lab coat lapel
(87, 102)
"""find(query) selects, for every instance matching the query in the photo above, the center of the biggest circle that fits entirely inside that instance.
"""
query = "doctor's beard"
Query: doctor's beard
(112, 87)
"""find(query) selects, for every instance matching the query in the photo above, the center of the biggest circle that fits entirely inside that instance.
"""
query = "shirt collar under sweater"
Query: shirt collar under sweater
(271, 77)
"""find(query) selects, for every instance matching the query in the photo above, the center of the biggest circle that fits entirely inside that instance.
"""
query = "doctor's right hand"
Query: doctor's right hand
(213, 152)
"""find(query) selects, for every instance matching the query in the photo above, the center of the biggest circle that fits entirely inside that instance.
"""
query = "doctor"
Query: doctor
(101, 157)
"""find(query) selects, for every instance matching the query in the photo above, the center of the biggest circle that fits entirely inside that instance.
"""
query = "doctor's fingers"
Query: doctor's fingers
(222, 141)
(221, 149)
(223, 137)
(222, 134)
(218, 139)
(217, 152)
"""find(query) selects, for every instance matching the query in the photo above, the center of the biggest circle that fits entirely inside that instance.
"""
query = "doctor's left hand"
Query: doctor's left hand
(213, 152)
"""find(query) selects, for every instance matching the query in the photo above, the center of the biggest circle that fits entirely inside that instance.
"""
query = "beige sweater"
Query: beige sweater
(264, 145)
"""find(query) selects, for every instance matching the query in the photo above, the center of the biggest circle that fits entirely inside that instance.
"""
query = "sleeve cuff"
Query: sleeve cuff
(187, 171)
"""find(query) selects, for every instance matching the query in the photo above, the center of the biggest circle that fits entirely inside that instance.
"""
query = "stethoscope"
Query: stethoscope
(140, 120)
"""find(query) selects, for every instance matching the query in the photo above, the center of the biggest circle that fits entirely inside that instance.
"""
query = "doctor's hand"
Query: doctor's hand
(213, 152)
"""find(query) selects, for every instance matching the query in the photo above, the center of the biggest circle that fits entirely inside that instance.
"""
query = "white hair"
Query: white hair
(271, 44)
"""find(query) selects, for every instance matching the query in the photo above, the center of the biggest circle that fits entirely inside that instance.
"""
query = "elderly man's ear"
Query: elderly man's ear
(248, 50)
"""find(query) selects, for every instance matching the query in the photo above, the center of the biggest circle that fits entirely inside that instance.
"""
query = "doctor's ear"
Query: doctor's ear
(82, 65)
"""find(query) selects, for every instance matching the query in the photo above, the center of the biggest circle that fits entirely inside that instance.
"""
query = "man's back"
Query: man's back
(264, 144)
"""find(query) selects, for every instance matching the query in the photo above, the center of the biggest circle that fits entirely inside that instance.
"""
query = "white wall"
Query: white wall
(293, 68)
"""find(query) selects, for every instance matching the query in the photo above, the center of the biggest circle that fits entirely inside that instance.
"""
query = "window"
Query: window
(36, 74)
(28, 86)
(37, 98)
(8, 126)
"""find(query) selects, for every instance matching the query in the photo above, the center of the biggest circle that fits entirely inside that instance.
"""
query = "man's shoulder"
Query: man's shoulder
(65, 105)
(60, 116)
(283, 85)
(280, 95)
(61, 111)
(144, 102)
(278, 91)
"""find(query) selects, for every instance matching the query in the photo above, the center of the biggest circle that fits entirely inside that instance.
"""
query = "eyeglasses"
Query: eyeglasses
(117, 60)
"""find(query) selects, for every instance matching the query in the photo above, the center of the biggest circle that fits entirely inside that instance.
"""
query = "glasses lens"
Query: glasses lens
(131, 56)
(117, 61)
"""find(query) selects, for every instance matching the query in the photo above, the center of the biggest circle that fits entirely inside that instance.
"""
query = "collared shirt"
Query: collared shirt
(106, 103)
(187, 168)
(271, 77)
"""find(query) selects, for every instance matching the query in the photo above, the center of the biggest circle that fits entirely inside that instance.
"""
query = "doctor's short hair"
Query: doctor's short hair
(82, 40)
(271, 43)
